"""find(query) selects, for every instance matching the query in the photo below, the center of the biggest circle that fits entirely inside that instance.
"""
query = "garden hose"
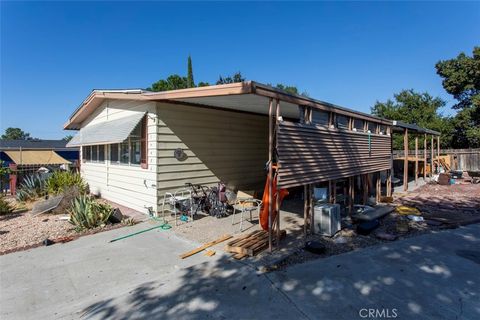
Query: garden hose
(163, 226)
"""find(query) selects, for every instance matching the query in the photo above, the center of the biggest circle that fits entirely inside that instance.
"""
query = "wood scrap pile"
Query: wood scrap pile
(250, 244)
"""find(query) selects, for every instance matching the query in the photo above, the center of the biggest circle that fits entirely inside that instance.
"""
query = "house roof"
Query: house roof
(33, 144)
(247, 96)
(400, 126)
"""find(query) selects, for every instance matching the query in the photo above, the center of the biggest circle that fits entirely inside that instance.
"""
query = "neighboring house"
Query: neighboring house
(137, 145)
(37, 152)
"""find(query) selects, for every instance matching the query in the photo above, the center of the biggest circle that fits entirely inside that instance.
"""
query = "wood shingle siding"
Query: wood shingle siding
(220, 145)
(311, 154)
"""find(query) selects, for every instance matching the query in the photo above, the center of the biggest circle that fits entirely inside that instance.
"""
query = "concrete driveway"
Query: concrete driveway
(434, 276)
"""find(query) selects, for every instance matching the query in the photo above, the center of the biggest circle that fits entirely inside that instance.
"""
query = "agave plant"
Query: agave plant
(32, 187)
(85, 213)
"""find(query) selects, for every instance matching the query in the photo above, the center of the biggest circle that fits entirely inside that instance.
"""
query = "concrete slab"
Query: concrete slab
(434, 276)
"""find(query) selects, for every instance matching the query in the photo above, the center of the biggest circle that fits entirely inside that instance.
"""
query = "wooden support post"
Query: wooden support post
(389, 183)
(270, 173)
(306, 210)
(438, 152)
(378, 187)
(431, 160)
(277, 205)
(334, 186)
(365, 188)
(416, 160)
(405, 161)
(425, 158)
(351, 195)
(312, 209)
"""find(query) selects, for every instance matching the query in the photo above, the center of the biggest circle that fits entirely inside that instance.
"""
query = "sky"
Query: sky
(353, 54)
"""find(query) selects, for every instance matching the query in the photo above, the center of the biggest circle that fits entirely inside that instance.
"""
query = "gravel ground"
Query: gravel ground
(21, 231)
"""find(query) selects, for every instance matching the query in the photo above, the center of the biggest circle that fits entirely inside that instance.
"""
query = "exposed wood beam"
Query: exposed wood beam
(431, 159)
(270, 172)
(277, 205)
(425, 157)
(416, 160)
(405, 161)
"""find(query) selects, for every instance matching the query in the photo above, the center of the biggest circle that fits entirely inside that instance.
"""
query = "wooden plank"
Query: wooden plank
(206, 245)
(236, 241)
(239, 256)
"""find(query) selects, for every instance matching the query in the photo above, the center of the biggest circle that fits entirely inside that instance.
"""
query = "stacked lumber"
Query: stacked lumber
(250, 244)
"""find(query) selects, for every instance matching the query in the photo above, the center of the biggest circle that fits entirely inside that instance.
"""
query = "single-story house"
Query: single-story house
(131, 140)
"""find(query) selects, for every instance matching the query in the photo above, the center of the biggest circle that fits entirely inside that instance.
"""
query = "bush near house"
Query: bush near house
(5, 206)
(61, 181)
(39, 185)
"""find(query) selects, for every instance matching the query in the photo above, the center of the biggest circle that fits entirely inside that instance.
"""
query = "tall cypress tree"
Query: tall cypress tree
(190, 82)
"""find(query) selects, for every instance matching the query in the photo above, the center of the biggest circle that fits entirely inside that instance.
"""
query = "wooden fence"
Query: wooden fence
(461, 159)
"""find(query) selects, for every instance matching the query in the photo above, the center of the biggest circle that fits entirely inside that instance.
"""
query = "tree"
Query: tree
(416, 108)
(15, 134)
(291, 89)
(190, 82)
(173, 82)
(461, 78)
(237, 77)
(203, 84)
(67, 137)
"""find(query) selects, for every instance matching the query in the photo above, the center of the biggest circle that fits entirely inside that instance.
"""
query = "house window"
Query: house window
(94, 153)
(124, 152)
(135, 144)
(101, 153)
(88, 153)
(342, 122)
(320, 117)
(382, 129)
(114, 153)
(84, 153)
(372, 127)
(133, 150)
(358, 125)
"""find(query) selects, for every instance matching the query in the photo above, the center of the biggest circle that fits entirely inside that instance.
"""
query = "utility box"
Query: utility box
(326, 219)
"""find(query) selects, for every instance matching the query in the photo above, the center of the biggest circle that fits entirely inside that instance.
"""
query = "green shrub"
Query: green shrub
(32, 187)
(86, 213)
(5, 206)
(61, 181)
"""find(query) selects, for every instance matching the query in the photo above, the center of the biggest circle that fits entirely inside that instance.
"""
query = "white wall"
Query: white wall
(128, 185)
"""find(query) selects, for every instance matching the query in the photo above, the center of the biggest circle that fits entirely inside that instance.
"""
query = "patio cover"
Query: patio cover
(108, 132)
(36, 157)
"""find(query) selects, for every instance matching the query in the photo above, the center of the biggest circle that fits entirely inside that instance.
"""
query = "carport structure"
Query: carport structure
(309, 142)
(411, 129)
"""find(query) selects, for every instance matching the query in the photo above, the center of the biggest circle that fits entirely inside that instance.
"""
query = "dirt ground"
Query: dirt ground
(442, 207)
(21, 231)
